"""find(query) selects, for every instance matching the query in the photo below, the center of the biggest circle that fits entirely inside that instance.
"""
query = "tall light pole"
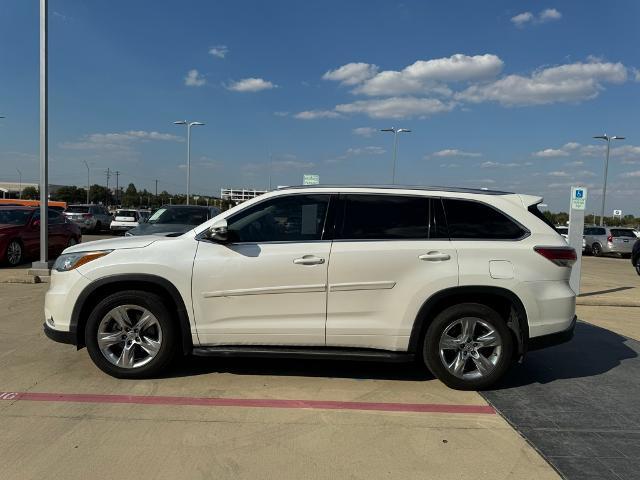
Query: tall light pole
(88, 179)
(44, 142)
(20, 183)
(189, 125)
(608, 139)
(395, 131)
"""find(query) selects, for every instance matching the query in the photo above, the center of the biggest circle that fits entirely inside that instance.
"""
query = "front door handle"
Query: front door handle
(435, 257)
(309, 260)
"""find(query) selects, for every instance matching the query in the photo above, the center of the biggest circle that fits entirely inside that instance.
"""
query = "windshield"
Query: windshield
(77, 209)
(14, 217)
(179, 216)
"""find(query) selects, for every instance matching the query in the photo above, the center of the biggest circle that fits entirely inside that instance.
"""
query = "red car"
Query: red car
(20, 234)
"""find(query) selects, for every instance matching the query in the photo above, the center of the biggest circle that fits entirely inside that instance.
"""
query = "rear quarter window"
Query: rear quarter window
(470, 220)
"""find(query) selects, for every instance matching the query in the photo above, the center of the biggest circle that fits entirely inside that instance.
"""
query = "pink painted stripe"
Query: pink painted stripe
(246, 402)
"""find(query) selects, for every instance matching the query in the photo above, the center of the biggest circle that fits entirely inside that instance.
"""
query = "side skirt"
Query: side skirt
(359, 354)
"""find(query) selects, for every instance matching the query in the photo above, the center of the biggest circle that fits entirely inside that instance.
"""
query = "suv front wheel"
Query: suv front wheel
(131, 335)
(468, 346)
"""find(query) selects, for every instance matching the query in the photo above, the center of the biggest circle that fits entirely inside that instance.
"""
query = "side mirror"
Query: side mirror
(218, 231)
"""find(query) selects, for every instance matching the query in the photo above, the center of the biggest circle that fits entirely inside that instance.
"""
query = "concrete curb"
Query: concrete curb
(22, 279)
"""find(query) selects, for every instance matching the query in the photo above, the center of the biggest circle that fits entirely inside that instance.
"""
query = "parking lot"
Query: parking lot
(575, 404)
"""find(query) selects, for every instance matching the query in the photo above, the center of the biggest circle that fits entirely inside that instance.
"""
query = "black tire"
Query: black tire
(637, 267)
(596, 250)
(154, 304)
(448, 317)
(10, 255)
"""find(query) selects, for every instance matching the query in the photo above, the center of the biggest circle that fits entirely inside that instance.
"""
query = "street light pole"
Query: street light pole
(19, 183)
(189, 125)
(608, 139)
(44, 143)
(395, 131)
(88, 179)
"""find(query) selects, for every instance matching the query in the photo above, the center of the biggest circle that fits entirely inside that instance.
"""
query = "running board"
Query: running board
(359, 354)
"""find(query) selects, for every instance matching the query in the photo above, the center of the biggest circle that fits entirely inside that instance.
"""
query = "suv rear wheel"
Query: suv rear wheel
(131, 335)
(468, 346)
(596, 250)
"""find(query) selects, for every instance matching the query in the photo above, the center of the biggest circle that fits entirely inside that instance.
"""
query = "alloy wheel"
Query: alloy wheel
(470, 348)
(129, 336)
(14, 253)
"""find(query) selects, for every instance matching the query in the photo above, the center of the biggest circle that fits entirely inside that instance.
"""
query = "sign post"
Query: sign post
(310, 179)
(578, 203)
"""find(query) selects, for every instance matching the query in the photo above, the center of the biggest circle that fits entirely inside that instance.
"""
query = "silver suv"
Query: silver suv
(89, 217)
(607, 240)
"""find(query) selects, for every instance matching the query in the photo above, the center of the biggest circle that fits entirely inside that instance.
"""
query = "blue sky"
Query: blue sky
(502, 94)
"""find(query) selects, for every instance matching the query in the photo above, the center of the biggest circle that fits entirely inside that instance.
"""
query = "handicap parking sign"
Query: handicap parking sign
(578, 198)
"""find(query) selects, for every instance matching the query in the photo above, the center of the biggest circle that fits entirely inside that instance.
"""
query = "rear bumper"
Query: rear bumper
(552, 339)
(60, 336)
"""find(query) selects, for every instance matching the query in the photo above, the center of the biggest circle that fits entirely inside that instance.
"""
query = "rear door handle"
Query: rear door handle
(435, 257)
(309, 260)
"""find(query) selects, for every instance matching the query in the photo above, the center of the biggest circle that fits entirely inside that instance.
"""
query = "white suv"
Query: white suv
(464, 280)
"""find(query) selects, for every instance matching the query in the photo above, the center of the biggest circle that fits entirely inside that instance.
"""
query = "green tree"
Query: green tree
(100, 194)
(30, 193)
(130, 197)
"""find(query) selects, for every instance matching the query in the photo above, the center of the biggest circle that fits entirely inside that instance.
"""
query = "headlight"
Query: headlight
(69, 261)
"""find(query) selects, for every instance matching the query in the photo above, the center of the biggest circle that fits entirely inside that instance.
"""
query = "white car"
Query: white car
(465, 280)
(124, 220)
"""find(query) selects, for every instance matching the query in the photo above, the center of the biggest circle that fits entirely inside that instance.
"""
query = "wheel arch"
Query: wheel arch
(99, 289)
(504, 301)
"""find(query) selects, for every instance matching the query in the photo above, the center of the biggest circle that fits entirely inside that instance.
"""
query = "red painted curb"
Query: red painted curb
(246, 402)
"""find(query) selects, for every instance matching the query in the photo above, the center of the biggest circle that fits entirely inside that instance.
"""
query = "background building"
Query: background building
(239, 195)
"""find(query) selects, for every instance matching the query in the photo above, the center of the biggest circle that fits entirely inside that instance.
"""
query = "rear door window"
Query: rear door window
(384, 217)
(620, 232)
(470, 220)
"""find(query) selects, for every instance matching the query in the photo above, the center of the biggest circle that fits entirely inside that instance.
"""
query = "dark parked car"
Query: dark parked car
(635, 256)
(173, 220)
(20, 234)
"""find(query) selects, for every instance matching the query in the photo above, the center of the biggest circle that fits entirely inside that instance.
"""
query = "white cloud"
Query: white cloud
(364, 131)
(371, 150)
(636, 74)
(351, 73)
(449, 165)
(194, 79)
(396, 107)
(559, 173)
(571, 146)
(564, 83)
(454, 152)
(586, 173)
(525, 18)
(490, 164)
(251, 85)
(430, 76)
(219, 51)
(631, 174)
(626, 151)
(522, 18)
(549, 15)
(291, 164)
(550, 153)
(118, 141)
(577, 163)
(316, 114)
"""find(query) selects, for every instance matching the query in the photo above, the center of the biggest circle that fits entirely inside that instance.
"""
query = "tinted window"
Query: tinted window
(474, 220)
(77, 209)
(293, 218)
(618, 232)
(599, 231)
(385, 217)
(180, 216)
(54, 217)
(14, 217)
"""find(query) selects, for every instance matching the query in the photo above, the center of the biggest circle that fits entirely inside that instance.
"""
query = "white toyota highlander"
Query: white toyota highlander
(465, 281)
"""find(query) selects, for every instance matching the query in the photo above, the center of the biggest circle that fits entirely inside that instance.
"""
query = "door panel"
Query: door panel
(269, 287)
(392, 252)
(376, 289)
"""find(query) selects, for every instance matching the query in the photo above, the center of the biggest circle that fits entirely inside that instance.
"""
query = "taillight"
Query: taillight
(610, 239)
(561, 256)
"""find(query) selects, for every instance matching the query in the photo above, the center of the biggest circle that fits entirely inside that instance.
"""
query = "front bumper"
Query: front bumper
(60, 336)
(552, 339)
